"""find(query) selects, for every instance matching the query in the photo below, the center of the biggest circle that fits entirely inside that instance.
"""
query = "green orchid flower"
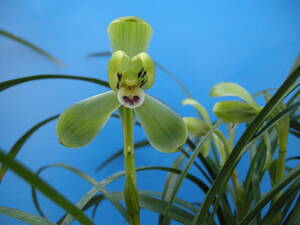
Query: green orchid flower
(131, 72)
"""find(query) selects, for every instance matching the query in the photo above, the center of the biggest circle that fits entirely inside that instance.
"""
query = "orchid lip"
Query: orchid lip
(131, 98)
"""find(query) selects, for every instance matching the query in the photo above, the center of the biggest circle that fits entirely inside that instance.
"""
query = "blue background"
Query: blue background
(252, 43)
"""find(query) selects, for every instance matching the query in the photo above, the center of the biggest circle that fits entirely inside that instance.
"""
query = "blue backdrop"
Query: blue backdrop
(252, 43)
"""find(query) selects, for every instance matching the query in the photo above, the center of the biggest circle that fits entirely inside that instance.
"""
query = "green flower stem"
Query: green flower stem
(130, 190)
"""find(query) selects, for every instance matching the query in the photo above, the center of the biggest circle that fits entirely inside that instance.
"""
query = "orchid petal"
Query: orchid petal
(165, 130)
(80, 123)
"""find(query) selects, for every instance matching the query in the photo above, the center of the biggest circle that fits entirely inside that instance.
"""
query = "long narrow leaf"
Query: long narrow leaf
(99, 54)
(235, 155)
(95, 201)
(87, 178)
(294, 216)
(158, 206)
(170, 184)
(187, 167)
(45, 188)
(24, 217)
(276, 118)
(92, 192)
(10, 83)
(270, 195)
(281, 202)
(18, 145)
(31, 46)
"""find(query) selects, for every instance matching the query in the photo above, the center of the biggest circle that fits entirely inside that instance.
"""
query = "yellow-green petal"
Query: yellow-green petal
(123, 71)
(80, 123)
(234, 111)
(148, 68)
(129, 34)
(118, 63)
(165, 129)
(233, 89)
(200, 108)
(196, 127)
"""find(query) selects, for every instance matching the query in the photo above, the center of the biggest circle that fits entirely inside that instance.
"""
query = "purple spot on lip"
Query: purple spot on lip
(131, 101)
(126, 99)
(136, 98)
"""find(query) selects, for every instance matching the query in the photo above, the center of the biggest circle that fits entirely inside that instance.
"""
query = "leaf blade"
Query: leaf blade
(31, 46)
(24, 217)
(235, 155)
(45, 188)
(10, 83)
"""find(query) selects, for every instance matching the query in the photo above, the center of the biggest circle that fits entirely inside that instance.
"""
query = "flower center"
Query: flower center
(131, 98)
(130, 88)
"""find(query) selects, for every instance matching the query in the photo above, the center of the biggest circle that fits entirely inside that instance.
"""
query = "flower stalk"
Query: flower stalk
(130, 190)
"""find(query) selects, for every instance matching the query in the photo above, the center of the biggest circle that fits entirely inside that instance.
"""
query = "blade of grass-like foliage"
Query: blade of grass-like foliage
(150, 203)
(209, 164)
(253, 179)
(119, 153)
(293, 98)
(281, 202)
(270, 195)
(92, 192)
(158, 65)
(295, 133)
(275, 119)
(99, 54)
(10, 83)
(197, 165)
(257, 159)
(85, 177)
(191, 207)
(293, 158)
(95, 201)
(158, 206)
(213, 170)
(251, 184)
(45, 188)
(31, 46)
(170, 183)
(268, 153)
(24, 217)
(289, 205)
(235, 155)
(18, 145)
(186, 169)
(294, 216)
